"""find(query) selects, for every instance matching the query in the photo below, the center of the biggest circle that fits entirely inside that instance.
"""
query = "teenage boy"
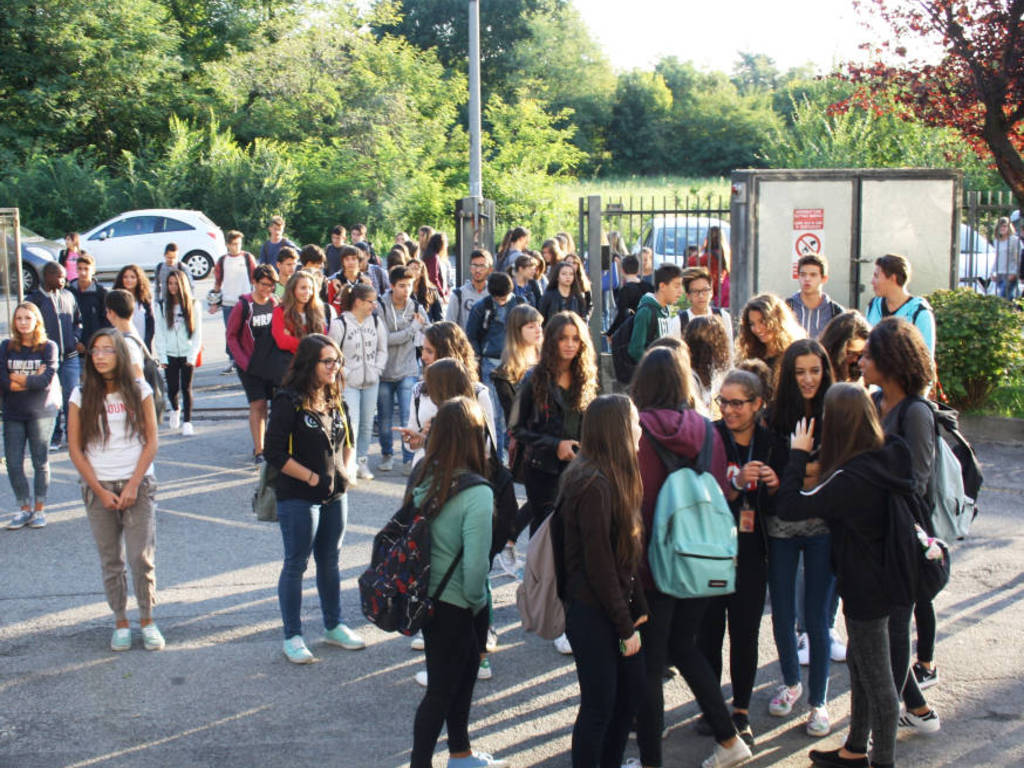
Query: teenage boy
(889, 282)
(119, 308)
(275, 242)
(632, 290)
(89, 296)
(369, 266)
(526, 287)
(312, 259)
(358, 233)
(163, 269)
(232, 276)
(655, 309)
(63, 323)
(811, 305)
(287, 262)
(404, 319)
(481, 264)
(333, 251)
(699, 289)
(486, 331)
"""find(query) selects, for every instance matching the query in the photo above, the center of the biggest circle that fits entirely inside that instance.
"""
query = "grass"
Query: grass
(1006, 401)
(647, 186)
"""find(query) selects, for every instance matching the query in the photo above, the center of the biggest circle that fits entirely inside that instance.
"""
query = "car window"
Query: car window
(172, 225)
(133, 225)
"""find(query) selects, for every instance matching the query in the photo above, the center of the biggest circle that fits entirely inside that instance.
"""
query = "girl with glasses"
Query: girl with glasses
(844, 338)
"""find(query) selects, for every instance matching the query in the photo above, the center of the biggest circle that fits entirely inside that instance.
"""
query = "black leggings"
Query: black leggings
(899, 654)
(452, 644)
(924, 616)
(670, 635)
(541, 493)
(179, 376)
(745, 608)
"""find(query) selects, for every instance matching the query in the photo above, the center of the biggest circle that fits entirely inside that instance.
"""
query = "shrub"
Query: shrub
(979, 344)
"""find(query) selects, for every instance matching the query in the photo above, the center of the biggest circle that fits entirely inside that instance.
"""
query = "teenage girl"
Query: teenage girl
(581, 283)
(133, 279)
(563, 293)
(602, 549)
(112, 441)
(767, 327)
(424, 291)
(844, 339)
(435, 263)
(301, 312)
(68, 256)
(31, 401)
(179, 338)
(710, 357)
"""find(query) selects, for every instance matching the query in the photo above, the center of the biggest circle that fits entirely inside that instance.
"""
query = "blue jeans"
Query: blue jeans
(361, 404)
(819, 583)
(801, 614)
(386, 394)
(487, 367)
(70, 373)
(1006, 287)
(307, 527)
(226, 313)
(36, 433)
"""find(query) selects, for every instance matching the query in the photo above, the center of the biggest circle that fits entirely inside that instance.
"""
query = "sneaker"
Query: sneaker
(386, 464)
(743, 729)
(831, 759)
(405, 468)
(803, 649)
(343, 637)
(485, 672)
(492, 640)
(20, 520)
(187, 430)
(121, 640)
(838, 648)
(632, 762)
(55, 447)
(229, 370)
(507, 559)
(257, 459)
(363, 470)
(174, 421)
(417, 643)
(476, 760)
(38, 520)
(927, 724)
(421, 677)
(784, 699)
(296, 651)
(925, 677)
(726, 757)
(818, 724)
(152, 640)
(562, 645)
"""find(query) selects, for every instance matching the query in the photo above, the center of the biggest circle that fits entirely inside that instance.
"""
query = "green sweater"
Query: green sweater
(648, 311)
(463, 523)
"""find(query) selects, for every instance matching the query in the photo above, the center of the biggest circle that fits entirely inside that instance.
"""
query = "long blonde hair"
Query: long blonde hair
(311, 320)
(39, 337)
(514, 363)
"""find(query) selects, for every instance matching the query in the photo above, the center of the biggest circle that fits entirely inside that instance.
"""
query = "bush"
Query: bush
(979, 344)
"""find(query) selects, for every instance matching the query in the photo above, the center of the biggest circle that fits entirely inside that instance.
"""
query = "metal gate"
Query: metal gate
(11, 290)
(981, 212)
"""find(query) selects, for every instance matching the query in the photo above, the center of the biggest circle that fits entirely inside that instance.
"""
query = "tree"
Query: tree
(755, 72)
(976, 88)
(640, 115)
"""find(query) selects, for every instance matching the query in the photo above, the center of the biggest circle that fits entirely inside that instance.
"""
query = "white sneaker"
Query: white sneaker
(417, 643)
(421, 677)
(186, 429)
(492, 640)
(632, 762)
(296, 652)
(927, 724)
(784, 699)
(838, 649)
(818, 723)
(507, 560)
(152, 639)
(726, 757)
(562, 645)
(363, 470)
(484, 672)
(803, 649)
(386, 464)
(174, 420)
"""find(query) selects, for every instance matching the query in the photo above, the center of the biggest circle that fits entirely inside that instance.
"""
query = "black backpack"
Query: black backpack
(621, 360)
(152, 374)
(910, 575)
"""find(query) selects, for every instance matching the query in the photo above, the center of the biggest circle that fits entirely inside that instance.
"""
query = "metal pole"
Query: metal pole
(476, 187)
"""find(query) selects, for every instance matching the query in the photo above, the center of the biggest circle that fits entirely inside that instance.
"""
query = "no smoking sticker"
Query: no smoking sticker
(808, 243)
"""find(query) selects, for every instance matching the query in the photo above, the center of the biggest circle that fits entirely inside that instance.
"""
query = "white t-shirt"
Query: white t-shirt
(235, 279)
(428, 410)
(116, 459)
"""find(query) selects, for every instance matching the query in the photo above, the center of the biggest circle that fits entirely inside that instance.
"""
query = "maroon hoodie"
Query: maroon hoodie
(681, 432)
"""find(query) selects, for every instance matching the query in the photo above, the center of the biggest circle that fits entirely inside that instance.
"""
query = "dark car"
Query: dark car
(36, 250)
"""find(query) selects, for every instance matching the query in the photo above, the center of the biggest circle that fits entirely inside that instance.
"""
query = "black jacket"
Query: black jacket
(552, 302)
(626, 303)
(854, 501)
(61, 318)
(316, 442)
(539, 427)
(91, 306)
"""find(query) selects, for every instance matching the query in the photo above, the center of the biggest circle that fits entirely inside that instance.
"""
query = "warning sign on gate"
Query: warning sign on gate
(808, 234)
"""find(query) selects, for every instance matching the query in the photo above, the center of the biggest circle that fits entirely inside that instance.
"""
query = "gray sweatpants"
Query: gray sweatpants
(875, 707)
(118, 531)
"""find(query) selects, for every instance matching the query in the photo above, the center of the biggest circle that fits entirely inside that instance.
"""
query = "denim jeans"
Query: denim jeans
(36, 432)
(1006, 287)
(308, 527)
(70, 373)
(386, 394)
(487, 366)
(819, 583)
(361, 404)
(226, 313)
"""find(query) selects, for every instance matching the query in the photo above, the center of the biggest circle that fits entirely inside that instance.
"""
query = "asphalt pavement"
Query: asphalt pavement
(222, 694)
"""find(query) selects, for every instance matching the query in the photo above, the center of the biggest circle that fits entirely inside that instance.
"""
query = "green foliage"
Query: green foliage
(640, 116)
(979, 344)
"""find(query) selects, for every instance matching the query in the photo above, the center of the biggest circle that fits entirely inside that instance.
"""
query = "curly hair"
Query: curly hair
(449, 340)
(780, 322)
(709, 347)
(836, 338)
(900, 354)
(143, 291)
(583, 368)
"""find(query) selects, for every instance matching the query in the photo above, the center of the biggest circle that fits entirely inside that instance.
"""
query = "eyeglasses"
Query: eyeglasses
(477, 266)
(330, 362)
(700, 292)
(267, 284)
(723, 403)
(103, 352)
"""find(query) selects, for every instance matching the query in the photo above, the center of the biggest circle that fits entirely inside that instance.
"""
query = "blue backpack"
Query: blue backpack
(694, 541)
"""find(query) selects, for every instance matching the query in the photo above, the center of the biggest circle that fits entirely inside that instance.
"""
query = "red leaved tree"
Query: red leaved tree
(978, 85)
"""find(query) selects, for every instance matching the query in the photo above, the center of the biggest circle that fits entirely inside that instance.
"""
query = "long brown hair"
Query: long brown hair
(423, 289)
(38, 338)
(312, 319)
(449, 340)
(513, 355)
(302, 374)
(850, 426)
(143, 292)
(582, 369)
(709, 347)
(447, 378)
(836, 338)
(183, 298)
(662, 380)
(92, 413)
(456, 442)
(606, 451)
(778, 318)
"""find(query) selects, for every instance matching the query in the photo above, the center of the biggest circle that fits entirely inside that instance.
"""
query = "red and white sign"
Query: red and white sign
(808, 218)
(808, 234)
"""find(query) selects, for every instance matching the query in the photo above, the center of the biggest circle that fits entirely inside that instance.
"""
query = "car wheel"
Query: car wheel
(29, 279)
(198, 263)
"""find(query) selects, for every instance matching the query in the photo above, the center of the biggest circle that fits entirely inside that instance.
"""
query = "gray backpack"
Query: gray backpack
(540, 608)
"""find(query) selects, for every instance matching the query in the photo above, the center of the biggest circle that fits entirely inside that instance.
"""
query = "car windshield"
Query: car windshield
(27, 235)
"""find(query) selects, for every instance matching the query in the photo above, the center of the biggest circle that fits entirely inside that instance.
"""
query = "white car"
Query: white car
(139, 237)
(669, 236)
(977, 261)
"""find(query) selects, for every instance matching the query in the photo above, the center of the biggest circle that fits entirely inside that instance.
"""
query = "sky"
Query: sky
(792, 32)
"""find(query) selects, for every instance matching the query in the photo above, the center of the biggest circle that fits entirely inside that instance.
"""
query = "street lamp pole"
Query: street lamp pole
(475, 178)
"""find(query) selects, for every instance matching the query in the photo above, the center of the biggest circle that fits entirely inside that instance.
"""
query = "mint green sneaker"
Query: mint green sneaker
(343, 637)
(296, 651)
(121, 640)
(152, 639)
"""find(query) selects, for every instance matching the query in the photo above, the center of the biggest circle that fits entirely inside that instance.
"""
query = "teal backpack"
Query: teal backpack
(694, 541)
